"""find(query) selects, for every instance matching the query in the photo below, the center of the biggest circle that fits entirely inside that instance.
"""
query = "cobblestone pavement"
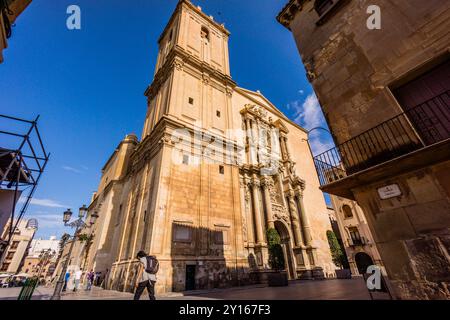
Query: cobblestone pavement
(353, 289)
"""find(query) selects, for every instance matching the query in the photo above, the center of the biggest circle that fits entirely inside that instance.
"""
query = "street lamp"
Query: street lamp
(66, 216)
(316, 128)
(82, 212)
(78, 225)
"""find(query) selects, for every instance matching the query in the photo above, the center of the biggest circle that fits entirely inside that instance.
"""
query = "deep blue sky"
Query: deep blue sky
(88, 84)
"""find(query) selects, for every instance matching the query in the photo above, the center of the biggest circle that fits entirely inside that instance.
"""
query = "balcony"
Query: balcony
(361, 241)
(422, 126)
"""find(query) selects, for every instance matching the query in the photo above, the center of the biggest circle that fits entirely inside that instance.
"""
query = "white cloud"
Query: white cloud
(309, 115)
(320, 145)
(68, 168)
(45, 203)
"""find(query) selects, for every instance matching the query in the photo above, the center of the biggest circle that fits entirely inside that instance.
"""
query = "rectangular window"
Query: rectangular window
(321, 6)
(311, 258)
(191, 101)
(354, 235)
(221, 169)
(185, 159)
(220, 237)
(182, 234)
(325, 8)
(119, 215)
(299, 258)
(15, 244)
(5, 267)
(10, 255)
(218, 114)
(426, 102)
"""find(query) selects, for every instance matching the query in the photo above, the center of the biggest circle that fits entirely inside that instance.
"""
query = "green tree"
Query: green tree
(276, 256)
(337, 254)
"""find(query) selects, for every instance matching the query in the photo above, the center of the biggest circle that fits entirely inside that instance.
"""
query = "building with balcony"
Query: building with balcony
(385, 95)
(9, 11)
(355, 235)
(19, 245)
(22, 161)
(41, 258)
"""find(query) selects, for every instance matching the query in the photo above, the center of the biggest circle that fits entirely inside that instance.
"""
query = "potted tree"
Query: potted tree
(338, 256)
(279, 276)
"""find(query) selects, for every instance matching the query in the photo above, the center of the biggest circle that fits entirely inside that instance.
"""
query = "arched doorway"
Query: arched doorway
(287, 249)
(363, 261)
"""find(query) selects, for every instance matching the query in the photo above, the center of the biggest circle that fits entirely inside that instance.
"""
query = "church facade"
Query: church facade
(216, 167)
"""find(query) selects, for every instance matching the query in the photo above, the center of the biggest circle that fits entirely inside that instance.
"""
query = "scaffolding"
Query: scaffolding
(23, 159)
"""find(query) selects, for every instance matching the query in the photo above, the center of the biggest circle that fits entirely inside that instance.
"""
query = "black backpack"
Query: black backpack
(152, 265)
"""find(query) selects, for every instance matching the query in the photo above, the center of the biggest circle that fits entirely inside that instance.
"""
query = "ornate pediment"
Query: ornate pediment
(280, 213)
(288, 13)
(298, 183)
(281, 126)
(256, 111)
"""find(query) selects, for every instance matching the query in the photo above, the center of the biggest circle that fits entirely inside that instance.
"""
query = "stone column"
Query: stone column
(257, 140)
(266, 184)
(280, 182)
(286, 147)
(252, 142)
(298, 237)
(257, 212)
(245, 196)
(243, 209)
(303, 217)
(284, 153)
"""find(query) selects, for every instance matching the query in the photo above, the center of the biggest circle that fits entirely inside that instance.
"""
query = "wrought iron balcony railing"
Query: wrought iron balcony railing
(416, 128)
(361, 241)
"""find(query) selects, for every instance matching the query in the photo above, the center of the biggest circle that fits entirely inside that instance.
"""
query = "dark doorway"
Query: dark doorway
(363, 261)
(190, 277)
(426, 102)
(287, 249)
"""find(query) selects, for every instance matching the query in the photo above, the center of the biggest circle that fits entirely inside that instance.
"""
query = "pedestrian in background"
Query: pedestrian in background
(90, 280)
(77, 279)
(66, 280)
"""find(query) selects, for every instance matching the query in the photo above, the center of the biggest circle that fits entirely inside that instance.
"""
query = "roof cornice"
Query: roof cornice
(191, 6)
(176, 58)
(289, 11)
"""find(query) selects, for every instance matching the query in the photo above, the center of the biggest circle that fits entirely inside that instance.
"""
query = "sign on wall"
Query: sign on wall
(390, 191)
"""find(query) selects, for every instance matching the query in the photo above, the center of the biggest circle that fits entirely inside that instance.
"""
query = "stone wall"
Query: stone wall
(354, 72)
(352, 67)
(412, 231)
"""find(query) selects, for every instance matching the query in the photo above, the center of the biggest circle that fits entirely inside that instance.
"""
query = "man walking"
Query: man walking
(66, 280)
(90, 280)
(146, 276)
(78, 275)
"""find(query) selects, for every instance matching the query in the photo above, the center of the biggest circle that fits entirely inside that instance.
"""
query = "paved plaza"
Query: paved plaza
(349, 289)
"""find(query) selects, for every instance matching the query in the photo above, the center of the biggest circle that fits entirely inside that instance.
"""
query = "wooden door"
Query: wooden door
(426, 102)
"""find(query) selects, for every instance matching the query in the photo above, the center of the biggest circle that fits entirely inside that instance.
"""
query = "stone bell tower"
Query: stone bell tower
(193, 60)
